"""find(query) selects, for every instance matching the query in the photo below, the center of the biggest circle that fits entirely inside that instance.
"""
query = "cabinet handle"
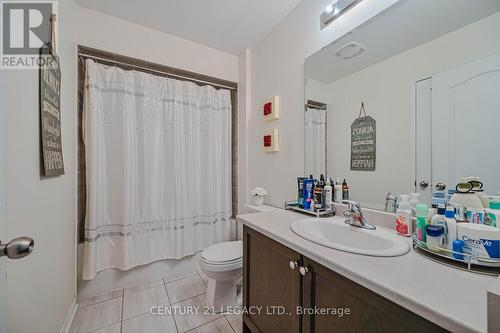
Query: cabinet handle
(303, 270)
(293, 264)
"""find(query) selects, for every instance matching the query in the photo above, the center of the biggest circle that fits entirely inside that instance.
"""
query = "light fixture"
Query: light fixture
(335, 10)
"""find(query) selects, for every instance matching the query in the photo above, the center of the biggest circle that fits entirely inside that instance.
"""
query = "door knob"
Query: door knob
(303, 270)
(17, 248)
(424, 184)
(293, 264)
(440, 186)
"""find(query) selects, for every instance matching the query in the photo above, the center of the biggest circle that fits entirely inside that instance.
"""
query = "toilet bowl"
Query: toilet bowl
(222, 263)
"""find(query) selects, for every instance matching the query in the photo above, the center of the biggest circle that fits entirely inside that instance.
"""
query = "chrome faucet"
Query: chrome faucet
(355, 216)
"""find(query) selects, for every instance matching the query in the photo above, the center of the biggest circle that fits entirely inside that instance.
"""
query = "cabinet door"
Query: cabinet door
(271, 284)
(368, 311)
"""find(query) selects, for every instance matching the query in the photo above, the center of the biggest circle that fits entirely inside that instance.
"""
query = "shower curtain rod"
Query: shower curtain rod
(85, 55)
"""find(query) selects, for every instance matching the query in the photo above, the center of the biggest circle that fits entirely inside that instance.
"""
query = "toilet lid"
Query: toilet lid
(223, 252)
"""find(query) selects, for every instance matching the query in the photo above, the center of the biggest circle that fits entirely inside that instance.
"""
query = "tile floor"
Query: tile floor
(128, 310)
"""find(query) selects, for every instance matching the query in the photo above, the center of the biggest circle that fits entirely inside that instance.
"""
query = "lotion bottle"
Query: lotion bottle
(451, 226)
(328, 195)
(422, 212)
(345, 191)
(403, 217)
(337, 190)
(440, 219)
(414, 201)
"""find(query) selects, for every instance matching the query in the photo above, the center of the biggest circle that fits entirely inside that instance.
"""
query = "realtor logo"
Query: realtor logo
(25, 33)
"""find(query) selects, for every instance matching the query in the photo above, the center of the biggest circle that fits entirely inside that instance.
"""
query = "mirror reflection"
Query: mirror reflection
(430, 91)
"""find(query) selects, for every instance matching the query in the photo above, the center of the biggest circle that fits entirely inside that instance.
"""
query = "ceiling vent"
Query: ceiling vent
(350, 50)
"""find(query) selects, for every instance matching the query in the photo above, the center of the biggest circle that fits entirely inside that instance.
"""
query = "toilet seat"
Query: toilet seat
(222, 257)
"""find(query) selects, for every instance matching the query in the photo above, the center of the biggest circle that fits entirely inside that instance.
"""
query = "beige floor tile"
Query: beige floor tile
(97, 316)
(236, 322)
(186, 288)
(217, 326)
(178, 276)
(140, 302)
(99, 298)
(142, 286)
(186, 321)
(148, 323)
(109, 329)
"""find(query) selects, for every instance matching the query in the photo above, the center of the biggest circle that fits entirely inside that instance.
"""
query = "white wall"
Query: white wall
(278, 69)
(244, 108)
(387, 88)
(317, 91)
(41, 287)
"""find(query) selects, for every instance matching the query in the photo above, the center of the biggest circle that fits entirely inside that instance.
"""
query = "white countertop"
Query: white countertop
(451, 298)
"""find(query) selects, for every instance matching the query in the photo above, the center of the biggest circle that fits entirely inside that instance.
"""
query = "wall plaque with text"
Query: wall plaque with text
(50, 116)
(363, 144)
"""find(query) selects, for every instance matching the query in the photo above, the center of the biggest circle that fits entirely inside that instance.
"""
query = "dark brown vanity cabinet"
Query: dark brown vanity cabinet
(278, 281)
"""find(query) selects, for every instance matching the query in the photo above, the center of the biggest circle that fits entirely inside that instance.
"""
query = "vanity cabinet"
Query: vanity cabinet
(277, 279)
(269, 281)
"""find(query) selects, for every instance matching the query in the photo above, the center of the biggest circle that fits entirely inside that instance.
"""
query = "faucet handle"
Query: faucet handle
(352, 205)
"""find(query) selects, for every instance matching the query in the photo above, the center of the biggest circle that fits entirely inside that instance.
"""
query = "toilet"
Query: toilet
(222, 263)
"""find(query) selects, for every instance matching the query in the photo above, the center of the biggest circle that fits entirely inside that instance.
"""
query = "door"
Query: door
(3, 271)
(352, 307)
(16, 248)
(423, 142)
(272, 285)
(465, 123)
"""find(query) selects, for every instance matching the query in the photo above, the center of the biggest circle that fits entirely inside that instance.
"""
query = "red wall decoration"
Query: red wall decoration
(270, 108)
(270, 140)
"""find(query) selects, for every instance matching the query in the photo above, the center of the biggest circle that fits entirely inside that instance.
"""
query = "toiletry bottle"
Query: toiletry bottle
(435, 237)
(321, 182)
(328, 194)
(422, 211)
(451, 224)
(308, 197)
(493, 214)
(391, 203)
(337, 191)
(439, 219)
(318, 193)
(345, 191)
(458, 246)
(414, 201)
(300, 191)
(403, 217)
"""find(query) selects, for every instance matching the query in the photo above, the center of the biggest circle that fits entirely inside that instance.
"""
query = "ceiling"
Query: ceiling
(402, 27)
(227, 25)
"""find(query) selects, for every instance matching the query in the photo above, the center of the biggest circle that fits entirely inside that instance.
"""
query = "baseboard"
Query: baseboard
(69, 317)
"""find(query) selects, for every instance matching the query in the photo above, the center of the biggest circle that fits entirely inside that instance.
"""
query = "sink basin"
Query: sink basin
(336, 234)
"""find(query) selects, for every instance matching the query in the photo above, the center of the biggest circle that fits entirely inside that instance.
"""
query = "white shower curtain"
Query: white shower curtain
(315, 141)
(158, 165)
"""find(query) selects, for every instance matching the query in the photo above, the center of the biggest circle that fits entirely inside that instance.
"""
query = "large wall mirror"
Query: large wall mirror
(428, 73)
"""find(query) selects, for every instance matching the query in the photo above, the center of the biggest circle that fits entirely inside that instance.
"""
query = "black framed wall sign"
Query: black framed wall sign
(363, 142)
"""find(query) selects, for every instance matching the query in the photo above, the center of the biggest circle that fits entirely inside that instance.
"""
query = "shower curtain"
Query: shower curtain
(315, 141)
(158, 166)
